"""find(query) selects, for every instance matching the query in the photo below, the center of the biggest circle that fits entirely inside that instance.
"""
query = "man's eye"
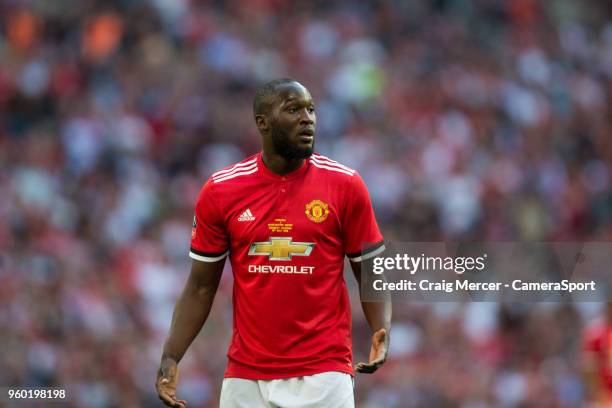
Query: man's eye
(311, 110)
(292, 110)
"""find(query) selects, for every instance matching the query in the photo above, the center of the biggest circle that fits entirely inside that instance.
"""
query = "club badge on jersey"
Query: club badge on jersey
(317, 211)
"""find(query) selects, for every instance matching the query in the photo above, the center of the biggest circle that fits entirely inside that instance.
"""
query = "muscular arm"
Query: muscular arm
(190, 313)
(192, 307)
(378, 315)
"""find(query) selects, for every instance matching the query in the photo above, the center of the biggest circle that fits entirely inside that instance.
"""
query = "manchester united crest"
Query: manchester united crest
(317, 211)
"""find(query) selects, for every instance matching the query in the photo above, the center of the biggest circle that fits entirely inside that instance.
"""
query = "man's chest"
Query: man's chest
(283, 213)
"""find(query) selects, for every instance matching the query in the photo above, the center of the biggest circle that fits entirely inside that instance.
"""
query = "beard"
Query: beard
(288, 151)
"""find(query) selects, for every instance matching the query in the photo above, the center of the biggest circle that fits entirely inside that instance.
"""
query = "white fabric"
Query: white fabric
(202, 258)
(324, 390)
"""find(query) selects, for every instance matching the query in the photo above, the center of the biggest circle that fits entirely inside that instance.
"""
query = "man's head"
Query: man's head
(284, 114)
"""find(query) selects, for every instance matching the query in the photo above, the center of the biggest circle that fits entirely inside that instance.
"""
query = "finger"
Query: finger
(168, 396)
(174, 403)
(365, 368)
(167, 399)
(179, 403)
(369, 367)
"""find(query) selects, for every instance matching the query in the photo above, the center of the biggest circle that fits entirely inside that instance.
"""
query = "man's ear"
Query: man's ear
(262, 122)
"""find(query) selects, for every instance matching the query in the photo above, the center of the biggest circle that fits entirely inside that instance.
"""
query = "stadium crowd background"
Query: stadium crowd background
(468, 119)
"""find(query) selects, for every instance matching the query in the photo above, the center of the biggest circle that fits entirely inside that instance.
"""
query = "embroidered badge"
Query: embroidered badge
(317, 211)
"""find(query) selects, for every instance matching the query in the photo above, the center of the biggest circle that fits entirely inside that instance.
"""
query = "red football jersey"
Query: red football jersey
(286, 237)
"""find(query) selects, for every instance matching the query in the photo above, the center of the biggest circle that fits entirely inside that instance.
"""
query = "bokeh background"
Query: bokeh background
(468, 119)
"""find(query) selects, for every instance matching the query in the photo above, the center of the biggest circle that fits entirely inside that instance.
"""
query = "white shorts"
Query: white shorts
(331, 389)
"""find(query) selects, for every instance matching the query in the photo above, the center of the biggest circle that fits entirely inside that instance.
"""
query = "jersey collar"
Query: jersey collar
(289, 176)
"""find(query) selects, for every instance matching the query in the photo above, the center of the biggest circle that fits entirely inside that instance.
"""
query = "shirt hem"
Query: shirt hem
(255, 375)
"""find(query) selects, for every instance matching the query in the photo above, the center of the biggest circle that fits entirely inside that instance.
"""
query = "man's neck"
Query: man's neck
(279, 165)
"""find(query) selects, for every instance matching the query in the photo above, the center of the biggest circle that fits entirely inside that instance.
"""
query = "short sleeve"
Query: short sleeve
(209, 238)
(361, 235)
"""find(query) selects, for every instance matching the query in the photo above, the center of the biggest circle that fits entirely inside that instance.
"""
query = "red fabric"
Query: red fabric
(287, 324)
(598, 340)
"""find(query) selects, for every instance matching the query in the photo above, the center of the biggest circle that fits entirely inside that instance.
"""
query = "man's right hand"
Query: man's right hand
(167, 379)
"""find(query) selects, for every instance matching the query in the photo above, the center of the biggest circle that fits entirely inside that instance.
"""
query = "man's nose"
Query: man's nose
(307, 117)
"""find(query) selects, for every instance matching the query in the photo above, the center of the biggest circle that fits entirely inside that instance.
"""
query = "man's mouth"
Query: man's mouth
(306, 135)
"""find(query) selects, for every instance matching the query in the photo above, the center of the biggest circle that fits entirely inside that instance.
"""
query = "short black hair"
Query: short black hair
(266, 92)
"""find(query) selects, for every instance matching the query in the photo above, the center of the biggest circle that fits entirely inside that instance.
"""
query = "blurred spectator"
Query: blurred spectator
(597, 362)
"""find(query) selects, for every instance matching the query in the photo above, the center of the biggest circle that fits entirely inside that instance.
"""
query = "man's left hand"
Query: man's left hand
(378, 353)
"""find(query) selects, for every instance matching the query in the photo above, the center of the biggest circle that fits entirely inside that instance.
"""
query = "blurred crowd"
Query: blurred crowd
(468, 119)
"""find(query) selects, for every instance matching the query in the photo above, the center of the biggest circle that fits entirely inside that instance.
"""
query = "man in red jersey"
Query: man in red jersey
(598, 361)
(286, 217)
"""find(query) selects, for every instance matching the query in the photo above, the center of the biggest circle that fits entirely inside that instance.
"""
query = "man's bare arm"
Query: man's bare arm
(192, 307)
(190, 312)
(378, 315)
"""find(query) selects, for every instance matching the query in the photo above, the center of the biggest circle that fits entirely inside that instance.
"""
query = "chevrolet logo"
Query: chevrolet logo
(281, 249)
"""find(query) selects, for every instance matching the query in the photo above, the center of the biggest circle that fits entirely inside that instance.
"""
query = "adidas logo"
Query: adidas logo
(246, 216)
